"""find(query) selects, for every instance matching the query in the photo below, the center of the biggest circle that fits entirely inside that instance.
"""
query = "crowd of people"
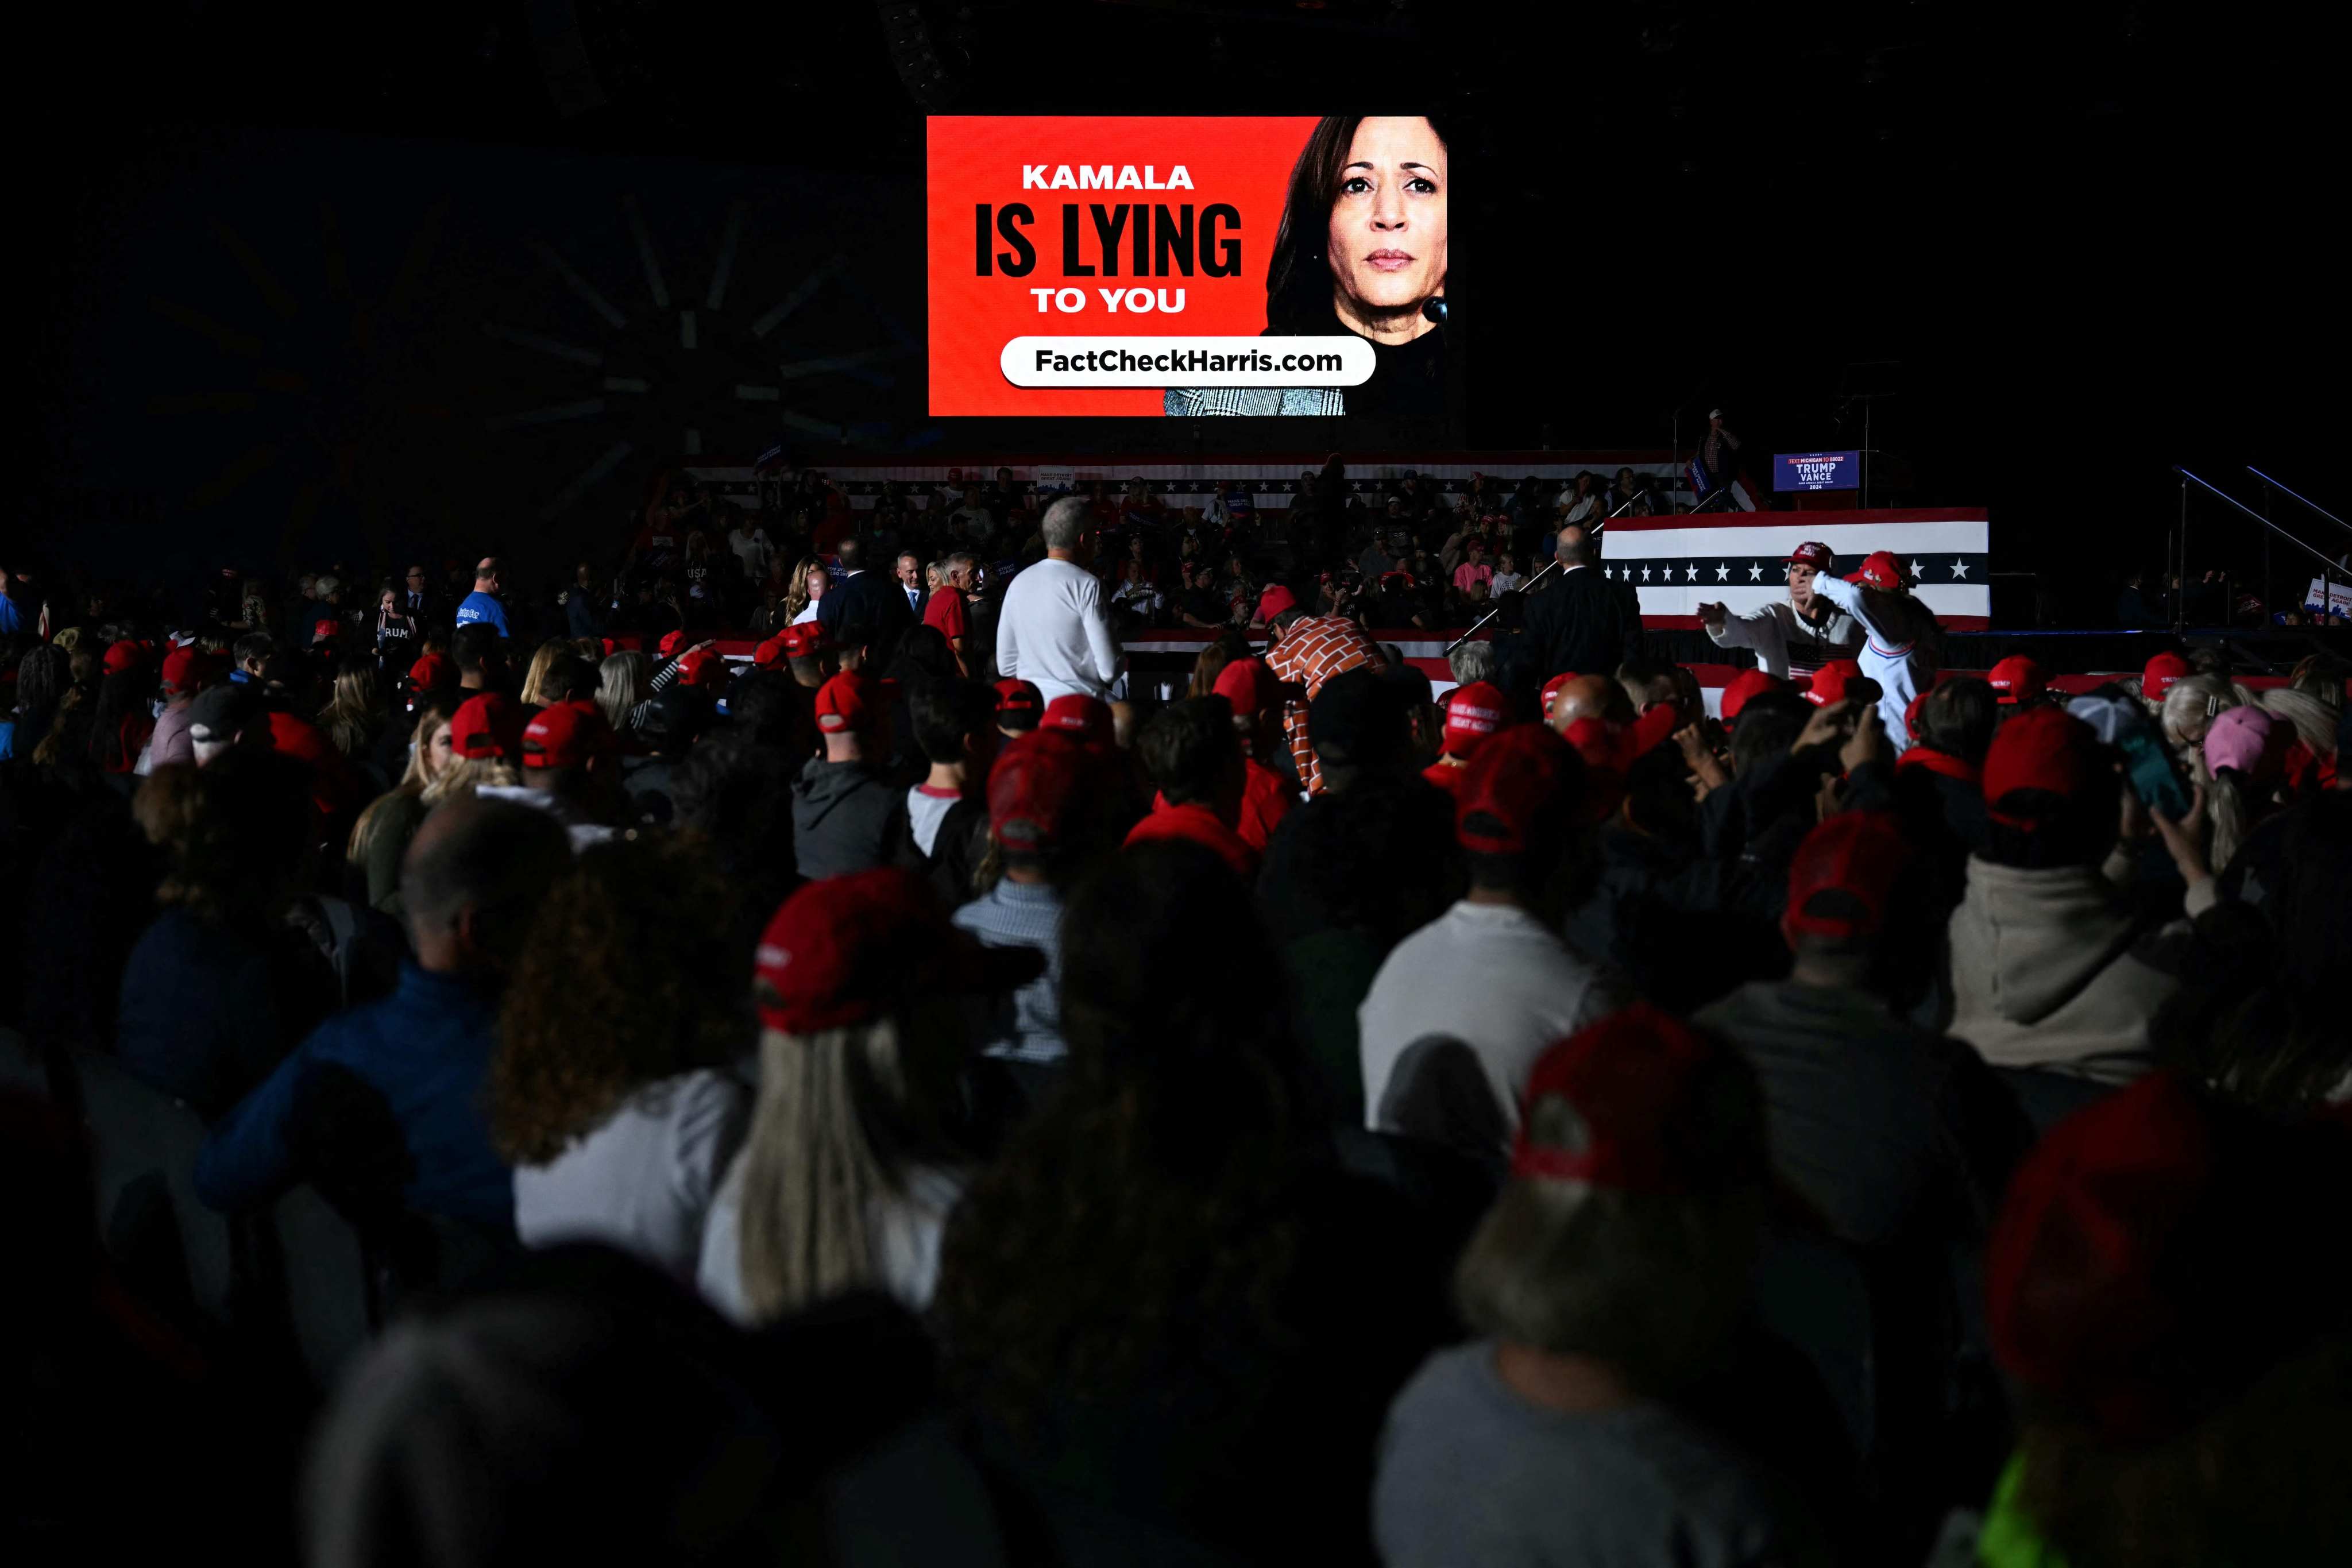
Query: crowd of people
(918, 1092)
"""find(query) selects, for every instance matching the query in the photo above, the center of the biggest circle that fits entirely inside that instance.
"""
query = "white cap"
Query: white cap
(1715, 414)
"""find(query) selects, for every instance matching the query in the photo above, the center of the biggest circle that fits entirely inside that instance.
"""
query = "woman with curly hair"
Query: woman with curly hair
(1165, 1295)
(810, 579)
(380, 839)
(856, 1156)
(611, 1093)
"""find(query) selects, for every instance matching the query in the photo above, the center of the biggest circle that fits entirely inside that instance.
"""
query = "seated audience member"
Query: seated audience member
(845, 816)
(568, 772)
(220, 987)
(667, 727)
(1047, 825)
(1883, 1130)
(1490, 971)
(583, 1408)
(2176, 1323)
(611, 1093)
(1472, 713)
(1194, 760)
(855, 1156)
(1164, 1332)
(2049, 966)
(947, 814)
(1019, 706)
(1609, 1276)
(1269, 790)
(477, 875)
(381, 838)
(2017, 683)
(2244, 752)
(186, 674)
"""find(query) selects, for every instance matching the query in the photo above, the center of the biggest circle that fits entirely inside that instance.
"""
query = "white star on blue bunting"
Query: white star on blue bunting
(1722, 573)
(1693, 572)
(1960, 568)
(1645, 574)
(1755, 572)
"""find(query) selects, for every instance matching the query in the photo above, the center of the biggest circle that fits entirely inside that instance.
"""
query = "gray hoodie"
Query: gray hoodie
(845, 820)
(2048, 971)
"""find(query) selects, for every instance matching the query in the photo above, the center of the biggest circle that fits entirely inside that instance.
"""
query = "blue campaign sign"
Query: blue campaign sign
(1817, 470)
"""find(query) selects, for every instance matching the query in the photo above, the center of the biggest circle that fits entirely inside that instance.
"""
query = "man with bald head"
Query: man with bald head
(1589, 697)
(396, 1085)
(483, 604)
(1581, 621)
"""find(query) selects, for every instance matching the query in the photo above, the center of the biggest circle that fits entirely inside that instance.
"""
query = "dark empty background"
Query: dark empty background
(288, 287)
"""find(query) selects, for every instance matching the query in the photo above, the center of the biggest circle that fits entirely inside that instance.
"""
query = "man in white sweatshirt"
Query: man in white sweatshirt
(1902, 645)
(1052, 632)
(1800, 633)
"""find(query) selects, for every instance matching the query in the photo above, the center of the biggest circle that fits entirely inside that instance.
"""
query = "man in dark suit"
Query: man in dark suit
(909, 569)
(1582, 623)
(871, 602)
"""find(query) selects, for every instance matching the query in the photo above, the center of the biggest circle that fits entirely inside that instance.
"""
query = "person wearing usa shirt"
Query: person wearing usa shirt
(483, 604)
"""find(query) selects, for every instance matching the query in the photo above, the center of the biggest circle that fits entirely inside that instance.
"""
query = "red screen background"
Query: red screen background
(1244, 163)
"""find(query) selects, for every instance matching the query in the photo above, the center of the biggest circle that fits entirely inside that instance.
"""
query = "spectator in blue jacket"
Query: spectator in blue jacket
(473, 880)
(484, 604)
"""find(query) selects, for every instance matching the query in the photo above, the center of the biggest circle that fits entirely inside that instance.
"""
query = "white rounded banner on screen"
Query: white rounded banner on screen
(1094, 360)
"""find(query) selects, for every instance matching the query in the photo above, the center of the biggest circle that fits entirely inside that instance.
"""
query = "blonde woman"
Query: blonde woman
(851, 1167)
(380, 839)
(624, 681)
(535, 682)
(353, 716)
(2314, 718)
(809, 580)
(2189, 706)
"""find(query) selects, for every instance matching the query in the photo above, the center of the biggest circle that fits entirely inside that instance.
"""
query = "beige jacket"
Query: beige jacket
(2046, 974)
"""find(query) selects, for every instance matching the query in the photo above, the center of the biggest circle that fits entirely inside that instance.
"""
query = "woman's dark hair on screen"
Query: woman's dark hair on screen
(1298, 276)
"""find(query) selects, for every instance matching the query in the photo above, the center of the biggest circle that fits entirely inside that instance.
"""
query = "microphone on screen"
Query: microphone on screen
(1434, 309)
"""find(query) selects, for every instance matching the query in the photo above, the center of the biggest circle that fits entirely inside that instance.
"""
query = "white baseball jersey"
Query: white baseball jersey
(1899, 646)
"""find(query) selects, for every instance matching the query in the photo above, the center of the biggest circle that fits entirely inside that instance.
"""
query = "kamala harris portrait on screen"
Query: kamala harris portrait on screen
(1361, 251)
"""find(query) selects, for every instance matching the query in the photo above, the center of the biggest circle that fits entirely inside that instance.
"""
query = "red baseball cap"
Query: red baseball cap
(1034, 781)
(1813, 553)
(1473, 712)
(1088, 717)
(431, 672)
(1249, 686)
(1518, 774)
(670, 643)
(567, 735)
(769, 654)
(124, 656)
(490, 725)
(1911, 712)
(1636, 1084)
(325, 631)
(1552, 689)
(846, 703)
(1843, 874)
(703, 667)
(2161, 672)
(1746, 686)
(1273, 601)
(2017, 679)
(2042, 748)
(2130, 1264)
(186, 668)
(1880, 570)
(843, 951)
(1828, 682)
(805, 640)
(1019, 704)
